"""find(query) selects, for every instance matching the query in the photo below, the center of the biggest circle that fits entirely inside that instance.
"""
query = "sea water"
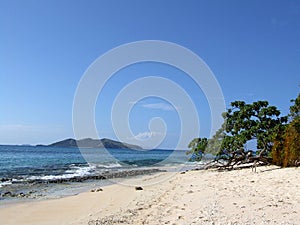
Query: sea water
(51, 169)
(31, 162)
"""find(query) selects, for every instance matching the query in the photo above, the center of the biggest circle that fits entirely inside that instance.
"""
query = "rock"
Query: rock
(21, 194)
(5, 179)
(138, 188)
(7, 194)
(97, 190)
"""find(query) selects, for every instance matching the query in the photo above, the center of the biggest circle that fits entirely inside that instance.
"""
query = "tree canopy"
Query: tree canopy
(286, 149)
(197, 146)
(242, 123)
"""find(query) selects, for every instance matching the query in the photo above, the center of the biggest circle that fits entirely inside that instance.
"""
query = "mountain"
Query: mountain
(92, 143)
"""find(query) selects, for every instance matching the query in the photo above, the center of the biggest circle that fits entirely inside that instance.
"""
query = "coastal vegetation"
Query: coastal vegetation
(286, 149)
(276, 138)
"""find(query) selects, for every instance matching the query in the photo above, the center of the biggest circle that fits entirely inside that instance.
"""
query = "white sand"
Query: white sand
(270, 196)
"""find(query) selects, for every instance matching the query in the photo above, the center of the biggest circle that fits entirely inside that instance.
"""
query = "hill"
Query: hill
(92, 143)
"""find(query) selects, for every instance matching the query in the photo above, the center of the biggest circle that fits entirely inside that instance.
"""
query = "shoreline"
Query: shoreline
(45, 189)
(27, 190)
(194, 197)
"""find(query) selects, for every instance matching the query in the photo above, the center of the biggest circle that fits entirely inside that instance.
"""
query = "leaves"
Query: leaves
(246, 122)
(198, 147)
(242, 122)
(286, 148)
(256, 121)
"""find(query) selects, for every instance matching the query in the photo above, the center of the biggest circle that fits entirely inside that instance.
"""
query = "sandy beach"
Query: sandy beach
(269, 196)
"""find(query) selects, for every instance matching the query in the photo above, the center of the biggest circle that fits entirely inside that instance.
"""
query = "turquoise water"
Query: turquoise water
(19, 163)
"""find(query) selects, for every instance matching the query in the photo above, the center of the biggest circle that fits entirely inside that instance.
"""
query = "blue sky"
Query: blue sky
(252, 47)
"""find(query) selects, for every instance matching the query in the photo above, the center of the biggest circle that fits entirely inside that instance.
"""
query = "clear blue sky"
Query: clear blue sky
(252, 47)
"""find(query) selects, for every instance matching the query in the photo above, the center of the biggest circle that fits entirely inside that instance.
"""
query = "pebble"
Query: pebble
(97, 190)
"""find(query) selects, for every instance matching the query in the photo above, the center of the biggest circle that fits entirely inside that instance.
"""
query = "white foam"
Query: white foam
(5, 183)
(111, 165)
(74, 172)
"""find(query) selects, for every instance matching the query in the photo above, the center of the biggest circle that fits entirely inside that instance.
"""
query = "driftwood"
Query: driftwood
(239, 159)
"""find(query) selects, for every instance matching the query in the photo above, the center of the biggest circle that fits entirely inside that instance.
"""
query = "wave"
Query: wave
(5, 183)
(74, 171)
(108, 165)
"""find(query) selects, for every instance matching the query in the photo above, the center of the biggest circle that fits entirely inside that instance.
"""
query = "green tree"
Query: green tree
(243, 122)
(277, 149)
(286, 149)
(197, 148)
(292, 144)
(295, 109)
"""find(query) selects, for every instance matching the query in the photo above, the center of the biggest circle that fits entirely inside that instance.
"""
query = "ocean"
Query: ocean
(34, 172)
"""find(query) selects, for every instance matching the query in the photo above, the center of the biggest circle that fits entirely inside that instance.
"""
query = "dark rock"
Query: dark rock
(97, 190)
(7, 194)
(31, 188)
(5, 179)
(138, 188)
(21, 194)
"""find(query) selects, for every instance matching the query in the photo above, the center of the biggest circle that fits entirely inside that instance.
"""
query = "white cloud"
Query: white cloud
(147, 139)
(144, 135)
(161, 106)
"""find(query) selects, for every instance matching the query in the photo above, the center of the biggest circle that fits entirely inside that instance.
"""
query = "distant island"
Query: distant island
(92, 143)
